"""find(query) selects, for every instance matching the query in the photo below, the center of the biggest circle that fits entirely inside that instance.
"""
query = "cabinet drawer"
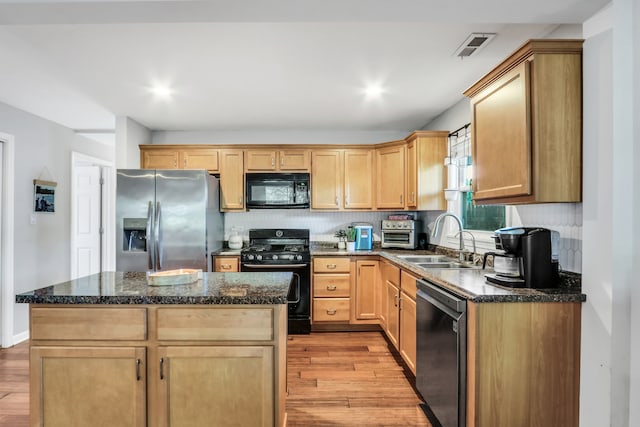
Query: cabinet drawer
(331, 309)
(206, 324)
(94, 323)
(331, 265)
(408, 284)
(331, 285)
(226, 264)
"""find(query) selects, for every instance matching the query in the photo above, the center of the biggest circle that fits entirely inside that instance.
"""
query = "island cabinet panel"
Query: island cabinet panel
(523, 362)
(216, 386)
(88, 323)
(80, 385)
(217, 324)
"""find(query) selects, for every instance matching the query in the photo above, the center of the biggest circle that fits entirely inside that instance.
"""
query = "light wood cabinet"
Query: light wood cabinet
(364, 294)
(390, 303)
(523, 364)
(179, 365)
(407, 345)
(231, 180)
(426, 174)
(358, 179)
(527, 126)
(232, 385)
(184, 157)
(390, 176)
(226, 264)
(326, 179)
(332, 282)
(272, 160)
(75, 386)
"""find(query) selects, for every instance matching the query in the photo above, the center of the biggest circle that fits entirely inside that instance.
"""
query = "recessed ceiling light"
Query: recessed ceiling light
(374, 91)
(161, 90)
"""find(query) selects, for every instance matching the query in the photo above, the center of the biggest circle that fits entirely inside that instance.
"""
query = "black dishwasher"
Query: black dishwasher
(441, 328)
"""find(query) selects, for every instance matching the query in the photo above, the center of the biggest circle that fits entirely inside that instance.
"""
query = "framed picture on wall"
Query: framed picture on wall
(44, 196)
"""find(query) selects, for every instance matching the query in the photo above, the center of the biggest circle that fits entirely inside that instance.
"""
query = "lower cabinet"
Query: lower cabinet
(331, 289)
(75, 386)
(408, 320)
(216, 385)
(365, 297)
(226, 264)
(182, 365)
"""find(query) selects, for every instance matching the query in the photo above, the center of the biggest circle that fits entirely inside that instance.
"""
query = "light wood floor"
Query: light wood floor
(334, 379)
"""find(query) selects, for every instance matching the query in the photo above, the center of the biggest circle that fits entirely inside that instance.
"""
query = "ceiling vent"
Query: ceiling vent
(473, 44)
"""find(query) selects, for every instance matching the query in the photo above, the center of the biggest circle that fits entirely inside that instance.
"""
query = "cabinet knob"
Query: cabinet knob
(331, 287)
(226, 266)
(331, 312)
(331, 266)
(273, 161)
(401, 199)
(282, 161)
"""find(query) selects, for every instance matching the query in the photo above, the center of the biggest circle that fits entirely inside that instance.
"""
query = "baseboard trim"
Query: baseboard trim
(22, 336)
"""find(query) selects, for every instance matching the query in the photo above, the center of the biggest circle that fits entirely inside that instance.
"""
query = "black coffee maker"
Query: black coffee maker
(536, 254)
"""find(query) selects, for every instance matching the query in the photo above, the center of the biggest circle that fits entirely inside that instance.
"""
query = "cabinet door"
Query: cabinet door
(261, 160)
(326, 179)
(412, 174)
(393, 314)
(231, 180)
(75, 386)
(390, 167)
(294, 160)
(226, 264)
(358, 179)
(200, 158)
(160, 159)
(502, 137)
(408, 330)
(366, 277)
(221, 386)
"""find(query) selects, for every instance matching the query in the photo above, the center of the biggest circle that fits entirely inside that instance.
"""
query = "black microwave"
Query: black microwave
(277, 190)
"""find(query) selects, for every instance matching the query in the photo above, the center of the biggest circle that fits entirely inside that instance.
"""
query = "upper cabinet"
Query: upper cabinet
(358, 178)
(425, 171)
(231, 180)
(270, 160)
(326, 179)
(527, 126)
(390, 176)
(187, 157)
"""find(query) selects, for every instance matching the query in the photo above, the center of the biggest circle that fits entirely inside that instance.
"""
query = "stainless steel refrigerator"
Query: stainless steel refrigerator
(167, 219)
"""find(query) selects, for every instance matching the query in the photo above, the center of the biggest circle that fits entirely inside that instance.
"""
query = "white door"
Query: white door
(2, 308)
(88, 223)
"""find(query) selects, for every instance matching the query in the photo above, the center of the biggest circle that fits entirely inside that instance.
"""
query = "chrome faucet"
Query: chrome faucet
(473, 240)
(436, 227)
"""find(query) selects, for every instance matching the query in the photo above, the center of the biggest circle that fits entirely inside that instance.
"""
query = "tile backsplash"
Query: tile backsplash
(566, 218)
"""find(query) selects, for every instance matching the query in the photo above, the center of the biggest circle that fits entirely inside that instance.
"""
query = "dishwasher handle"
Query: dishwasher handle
(444, 298)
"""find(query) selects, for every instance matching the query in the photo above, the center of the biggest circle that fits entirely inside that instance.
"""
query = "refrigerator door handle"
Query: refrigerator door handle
(150, 244)
(158, 239)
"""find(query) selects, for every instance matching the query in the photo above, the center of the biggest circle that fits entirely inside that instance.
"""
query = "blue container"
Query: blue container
(364, 237)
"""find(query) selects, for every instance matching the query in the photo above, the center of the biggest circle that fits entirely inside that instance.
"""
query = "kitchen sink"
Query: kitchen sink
(414, 259)
(443, 264)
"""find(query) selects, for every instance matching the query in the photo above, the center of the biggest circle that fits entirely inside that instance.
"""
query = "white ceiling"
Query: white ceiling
(258, 64)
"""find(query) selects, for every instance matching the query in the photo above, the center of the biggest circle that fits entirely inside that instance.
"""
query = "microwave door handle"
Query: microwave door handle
(150, 243)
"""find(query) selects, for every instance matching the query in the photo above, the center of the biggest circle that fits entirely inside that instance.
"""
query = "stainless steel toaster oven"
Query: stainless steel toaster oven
(402, 234)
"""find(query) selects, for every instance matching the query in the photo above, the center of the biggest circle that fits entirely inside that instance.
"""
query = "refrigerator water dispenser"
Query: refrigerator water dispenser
(135, 234)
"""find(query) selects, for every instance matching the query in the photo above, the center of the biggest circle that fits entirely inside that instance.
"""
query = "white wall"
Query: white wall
(129, 134)
(275, 137)
(42, 251)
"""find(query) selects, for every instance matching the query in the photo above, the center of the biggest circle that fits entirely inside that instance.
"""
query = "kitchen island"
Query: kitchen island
(109, 349)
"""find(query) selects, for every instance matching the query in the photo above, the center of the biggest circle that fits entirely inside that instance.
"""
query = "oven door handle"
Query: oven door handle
(275, 266)
(297, 300)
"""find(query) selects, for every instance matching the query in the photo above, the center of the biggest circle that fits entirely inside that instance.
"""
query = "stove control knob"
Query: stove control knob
(259, 257)
(299, 257)
(249, 257)
(275, 257)
(291, 257)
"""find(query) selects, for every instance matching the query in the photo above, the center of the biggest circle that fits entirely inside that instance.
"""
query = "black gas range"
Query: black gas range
(272, 250)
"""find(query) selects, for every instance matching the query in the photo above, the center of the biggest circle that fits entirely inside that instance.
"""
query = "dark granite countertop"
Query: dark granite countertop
(469, 283)
(132, 288)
